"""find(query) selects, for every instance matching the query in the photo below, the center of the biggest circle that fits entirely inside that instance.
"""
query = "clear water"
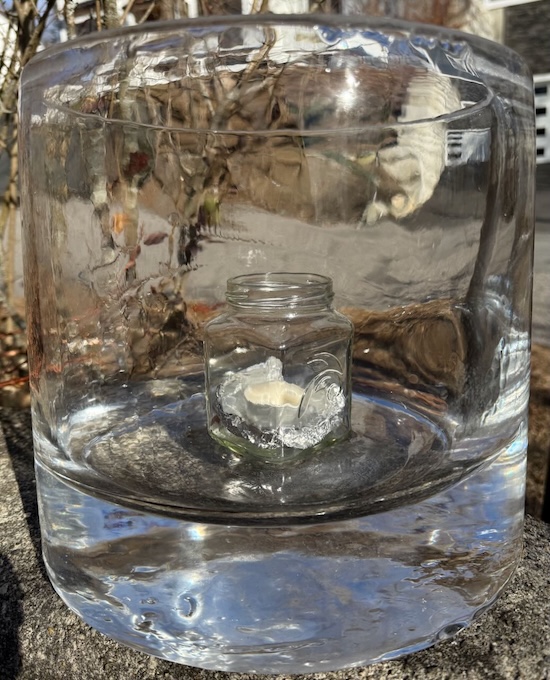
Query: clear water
(305, 591)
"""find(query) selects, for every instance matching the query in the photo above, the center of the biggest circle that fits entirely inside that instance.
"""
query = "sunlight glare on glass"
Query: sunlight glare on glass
(348, 95)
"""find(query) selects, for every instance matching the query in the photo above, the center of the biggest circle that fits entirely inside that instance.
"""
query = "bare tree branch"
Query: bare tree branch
(127, 11)
(36, 36)
(99, 25)
(68, 15)
(148, 12)
(110, 12)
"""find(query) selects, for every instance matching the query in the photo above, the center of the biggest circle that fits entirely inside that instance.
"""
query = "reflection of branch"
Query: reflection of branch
(9, 264)
(68, 15)
(14, 381)
(99, 26)
(110, 14)
(127, 11)
(147, 13)
(232, 101)
(259, 6)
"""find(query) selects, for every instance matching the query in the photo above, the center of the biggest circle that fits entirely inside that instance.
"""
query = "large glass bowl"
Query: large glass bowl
(160, 162)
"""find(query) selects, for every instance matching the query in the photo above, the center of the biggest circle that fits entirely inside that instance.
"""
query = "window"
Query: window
(542, 113)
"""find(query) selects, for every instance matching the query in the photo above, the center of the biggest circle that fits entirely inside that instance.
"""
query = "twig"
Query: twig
(110, 14)
(127, 11)
(98, 15)
(147, 13)
(14, 381)
(68, 15)
(9, 264)
(36, 36)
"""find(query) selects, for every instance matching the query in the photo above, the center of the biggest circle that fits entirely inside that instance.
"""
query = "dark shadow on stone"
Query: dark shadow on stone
(11, 619)
(17, 428)
(546, 501)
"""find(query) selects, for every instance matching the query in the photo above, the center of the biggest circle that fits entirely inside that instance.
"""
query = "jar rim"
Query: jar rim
(271, 290)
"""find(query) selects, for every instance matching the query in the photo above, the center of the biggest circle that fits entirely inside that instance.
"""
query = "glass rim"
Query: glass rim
(221, 23)
(408, 28)
(459, 114)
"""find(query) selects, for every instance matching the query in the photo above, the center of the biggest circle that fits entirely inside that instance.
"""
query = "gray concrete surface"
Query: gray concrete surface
(541, 279)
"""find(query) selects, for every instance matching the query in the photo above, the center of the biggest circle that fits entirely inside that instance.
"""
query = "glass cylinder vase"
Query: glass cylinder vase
(325, 468)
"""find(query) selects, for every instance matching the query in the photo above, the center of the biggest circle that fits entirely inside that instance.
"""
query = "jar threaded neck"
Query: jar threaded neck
(279, 290)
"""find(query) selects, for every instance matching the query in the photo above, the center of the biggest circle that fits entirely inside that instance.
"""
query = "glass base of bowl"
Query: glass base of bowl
(288, 599)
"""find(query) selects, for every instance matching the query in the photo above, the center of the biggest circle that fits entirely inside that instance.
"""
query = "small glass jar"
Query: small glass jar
(278, 367)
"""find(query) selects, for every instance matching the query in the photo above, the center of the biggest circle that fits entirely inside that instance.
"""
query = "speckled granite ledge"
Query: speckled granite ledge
(40, 639)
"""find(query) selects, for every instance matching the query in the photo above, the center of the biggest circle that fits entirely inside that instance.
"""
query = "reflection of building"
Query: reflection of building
(527, 32)
(467, 146)
(542, 109)
(471, 16)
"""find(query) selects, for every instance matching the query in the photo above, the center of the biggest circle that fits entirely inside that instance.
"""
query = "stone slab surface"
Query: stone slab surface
(40, 639)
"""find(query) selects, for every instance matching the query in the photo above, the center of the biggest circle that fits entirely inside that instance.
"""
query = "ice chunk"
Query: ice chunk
(270, 412)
